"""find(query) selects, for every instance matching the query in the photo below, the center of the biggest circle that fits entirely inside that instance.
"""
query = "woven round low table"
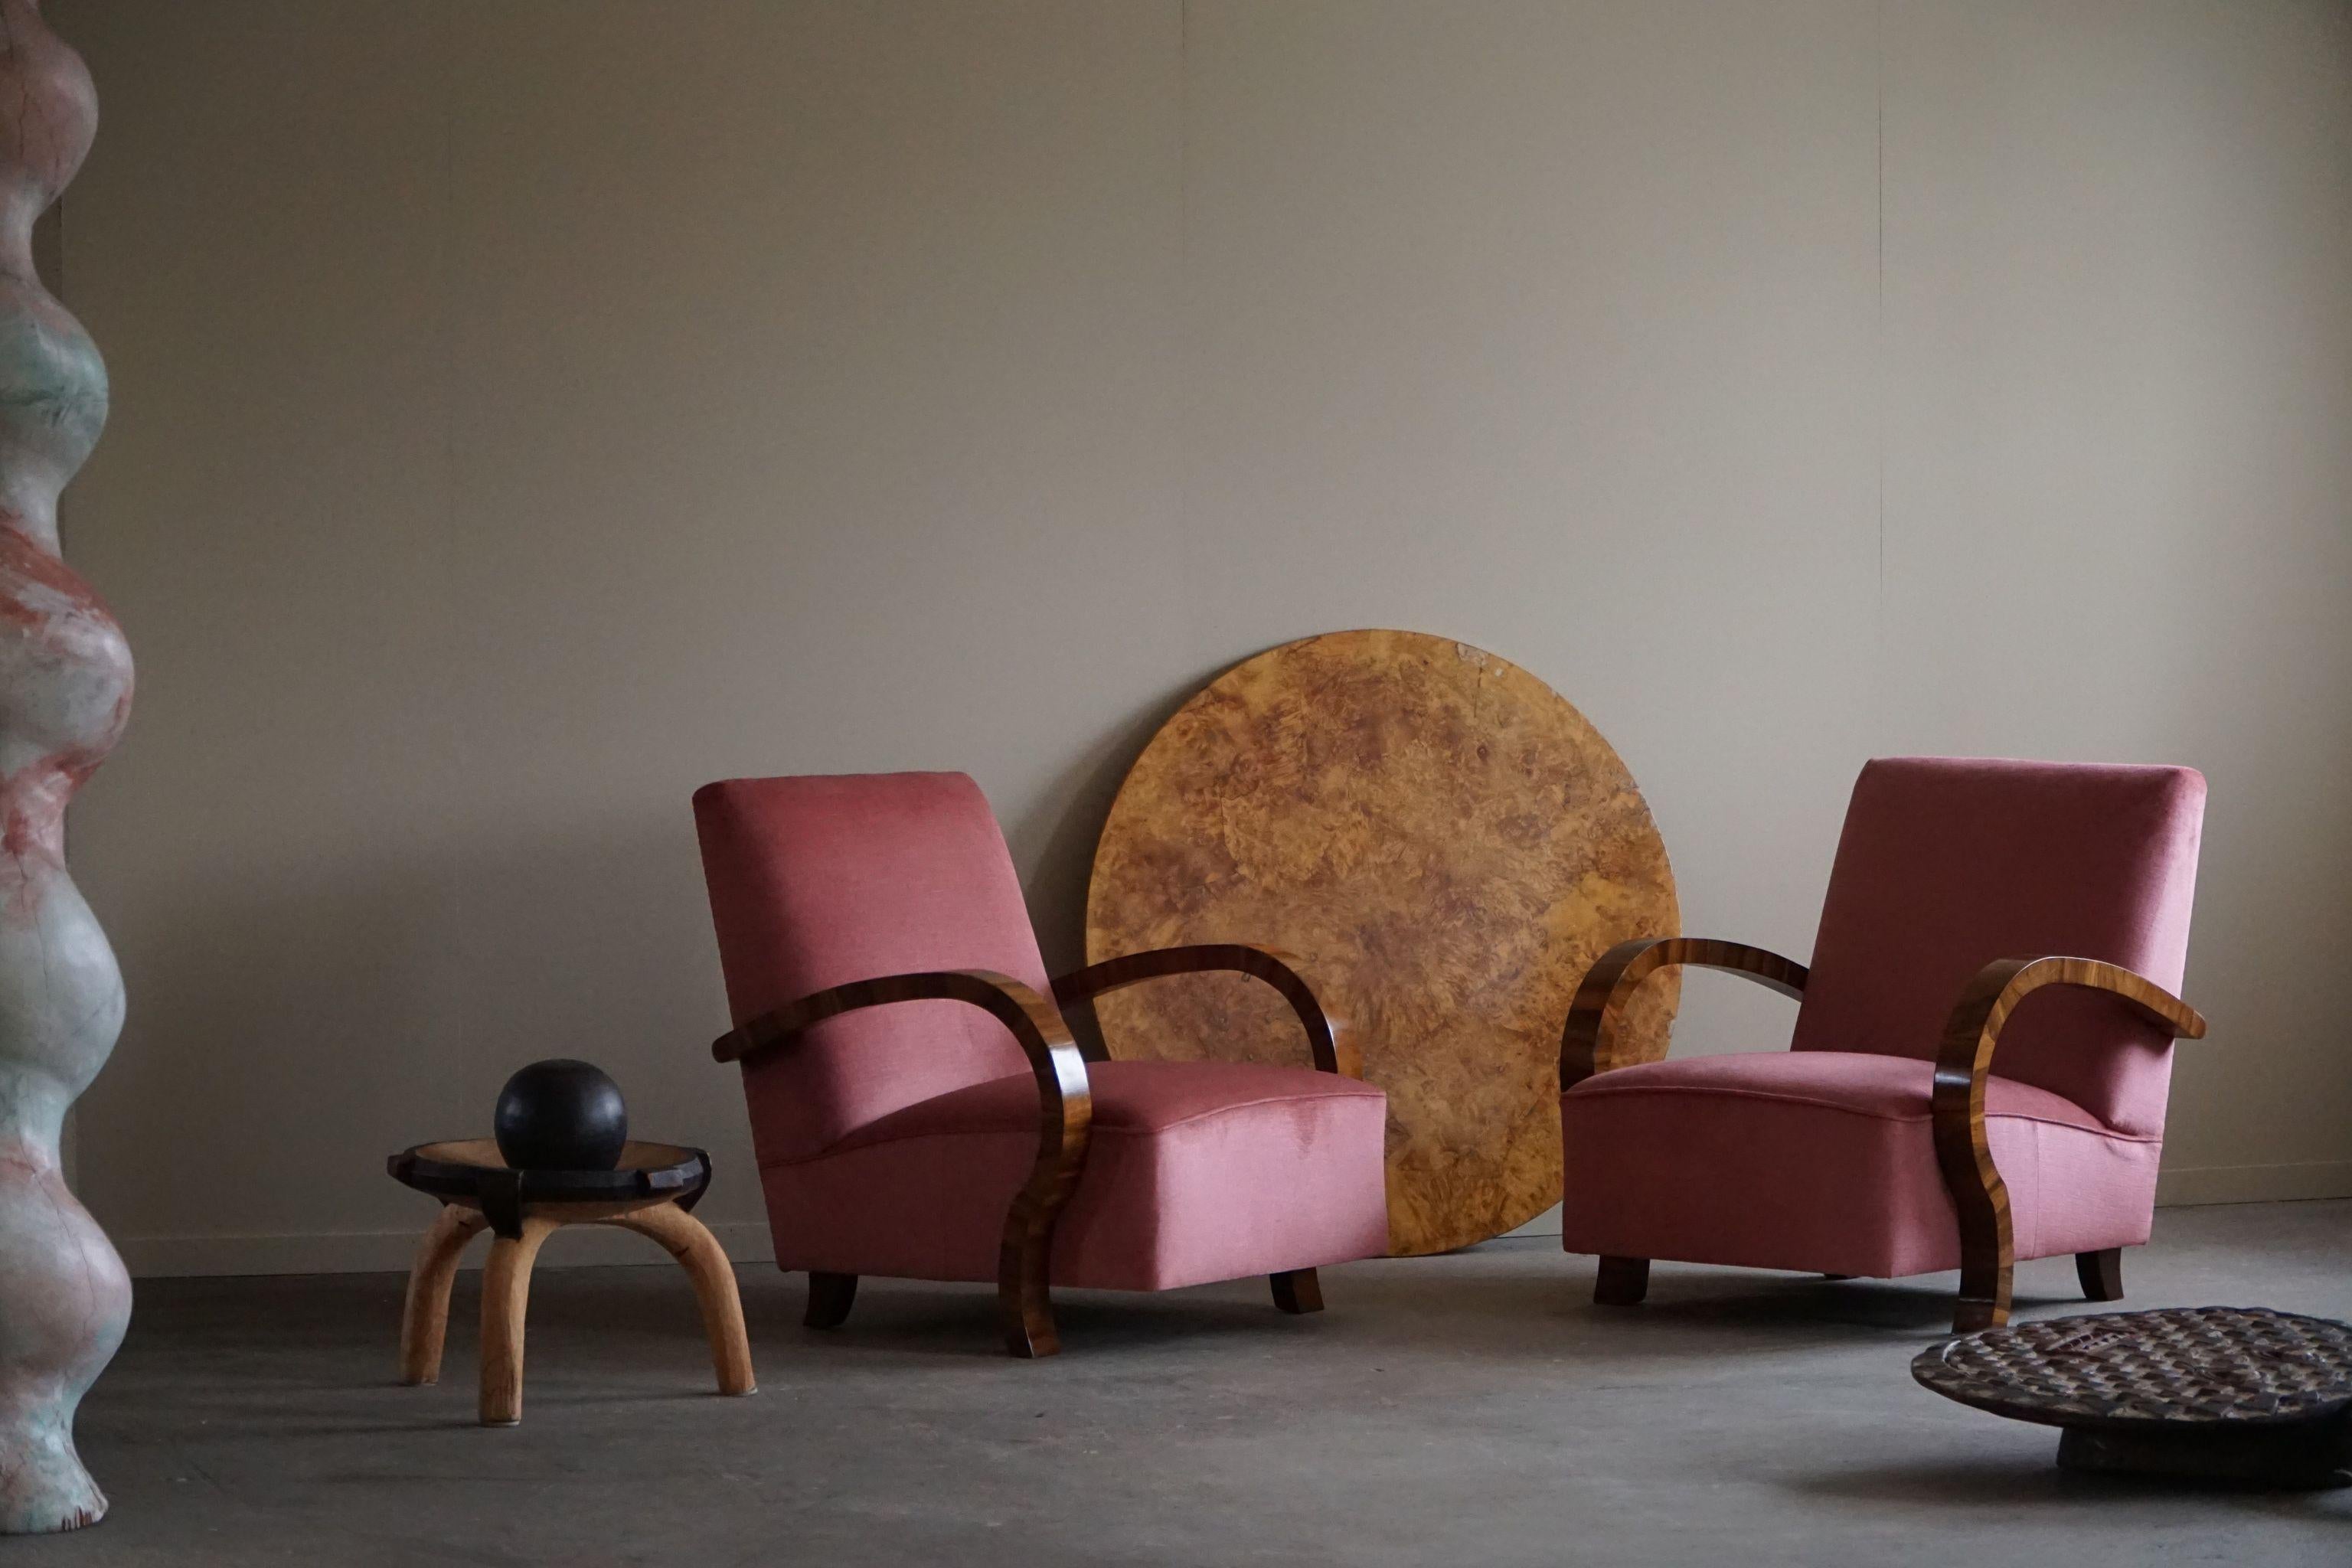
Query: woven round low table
(650, 1192)
(2234, 1394)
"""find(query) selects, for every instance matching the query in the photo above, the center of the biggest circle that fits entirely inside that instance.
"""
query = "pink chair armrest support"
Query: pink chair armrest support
(1327, 1038)
(1610, 983)
(1065, 1114)
(1963, 1149)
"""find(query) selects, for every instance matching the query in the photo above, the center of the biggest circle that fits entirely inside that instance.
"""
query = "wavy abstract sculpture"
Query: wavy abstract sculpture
(65, 690)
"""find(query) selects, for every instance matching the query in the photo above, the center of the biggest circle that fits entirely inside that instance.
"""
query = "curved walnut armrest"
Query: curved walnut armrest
(1065, 1114)
(1963, 1152)
(1610, 983)
(1032, 1020)
(1327, 1038)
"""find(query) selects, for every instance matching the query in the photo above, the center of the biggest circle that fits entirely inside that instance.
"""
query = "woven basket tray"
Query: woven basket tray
(2175, 1369)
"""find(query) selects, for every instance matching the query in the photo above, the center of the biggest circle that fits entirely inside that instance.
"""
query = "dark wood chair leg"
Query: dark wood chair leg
(829, 1299)
(1024, 1313)
(2102, 1274)
(1298, 1290)
(1983, 1303)
(1622, 1282)
(1988, 1263)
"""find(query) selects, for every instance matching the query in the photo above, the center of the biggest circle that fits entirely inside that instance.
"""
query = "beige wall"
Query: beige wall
(525, 412)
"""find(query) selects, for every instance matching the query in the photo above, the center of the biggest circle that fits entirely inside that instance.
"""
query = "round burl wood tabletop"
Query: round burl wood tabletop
(1447, 843)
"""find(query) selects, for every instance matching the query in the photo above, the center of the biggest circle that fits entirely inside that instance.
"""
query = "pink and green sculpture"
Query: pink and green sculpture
(65, 691)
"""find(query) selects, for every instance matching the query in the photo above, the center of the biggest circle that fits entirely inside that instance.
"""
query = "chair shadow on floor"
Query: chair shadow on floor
(1521, 1295)
(1515, 1299)
(930, 1320)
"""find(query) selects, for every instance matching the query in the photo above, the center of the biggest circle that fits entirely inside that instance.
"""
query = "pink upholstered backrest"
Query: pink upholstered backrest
(820, 881)
(1948, 863)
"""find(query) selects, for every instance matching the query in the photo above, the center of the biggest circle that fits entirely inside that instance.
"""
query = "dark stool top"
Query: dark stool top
(2179, 1367)
(472, 1171)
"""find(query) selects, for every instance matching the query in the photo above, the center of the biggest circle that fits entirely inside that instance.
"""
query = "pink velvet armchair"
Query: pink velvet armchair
(1936, 1109)
(920, 1111)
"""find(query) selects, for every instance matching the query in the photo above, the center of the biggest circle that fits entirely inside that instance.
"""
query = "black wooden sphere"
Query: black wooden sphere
(562, 1115)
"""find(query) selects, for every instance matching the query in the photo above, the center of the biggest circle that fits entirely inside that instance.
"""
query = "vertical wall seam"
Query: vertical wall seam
(451, 741)
(1878, 325)
(1185, 378)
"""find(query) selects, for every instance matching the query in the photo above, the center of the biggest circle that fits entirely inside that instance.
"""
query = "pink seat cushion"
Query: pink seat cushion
(1824, 1160)
(1197, 1171)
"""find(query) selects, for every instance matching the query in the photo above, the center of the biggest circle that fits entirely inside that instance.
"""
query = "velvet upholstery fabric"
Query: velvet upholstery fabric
(1948, 863)
(1196, 1171)
(891, 1140)
(1821, 1158)
(1824, 1160)
(819, 881)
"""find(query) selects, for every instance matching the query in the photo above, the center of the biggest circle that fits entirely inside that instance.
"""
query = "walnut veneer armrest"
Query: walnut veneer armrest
(1065, 1103)
(1963, 1151)
(1327, 1038)
(1018, 1008)
(1610, 983)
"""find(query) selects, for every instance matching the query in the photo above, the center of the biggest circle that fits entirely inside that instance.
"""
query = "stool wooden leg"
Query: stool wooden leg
(424, 1317)
(689, 1241)
(506, 1298)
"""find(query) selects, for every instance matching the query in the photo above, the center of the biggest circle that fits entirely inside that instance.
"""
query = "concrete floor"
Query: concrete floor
(1473, 1409)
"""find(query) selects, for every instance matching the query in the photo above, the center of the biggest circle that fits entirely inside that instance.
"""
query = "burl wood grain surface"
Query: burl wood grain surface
(1447, 843)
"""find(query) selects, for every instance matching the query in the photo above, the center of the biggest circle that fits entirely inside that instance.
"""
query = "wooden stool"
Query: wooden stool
(650, 1192)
